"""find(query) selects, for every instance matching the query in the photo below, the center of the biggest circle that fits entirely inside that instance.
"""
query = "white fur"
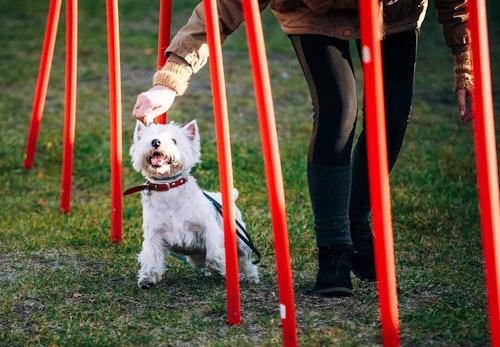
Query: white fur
(181, 220)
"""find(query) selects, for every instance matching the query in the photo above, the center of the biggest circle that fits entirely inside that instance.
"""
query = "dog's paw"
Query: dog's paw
(215, 272)
(249, 272)
(147, 281)
(249, 278)
(145, 284)
(216, 268)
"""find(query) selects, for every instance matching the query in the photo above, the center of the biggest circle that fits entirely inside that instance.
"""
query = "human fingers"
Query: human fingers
(152, 103)
(462, 101)
(465, 112)
(147, 113)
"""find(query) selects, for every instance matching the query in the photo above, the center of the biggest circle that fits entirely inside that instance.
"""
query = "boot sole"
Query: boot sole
(335, 291)
(364, 278)
(356, 262)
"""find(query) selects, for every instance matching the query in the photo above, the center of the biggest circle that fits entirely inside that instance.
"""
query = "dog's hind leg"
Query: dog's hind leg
(216, 263)
(248, 271)
(152, 260)
(214, 243)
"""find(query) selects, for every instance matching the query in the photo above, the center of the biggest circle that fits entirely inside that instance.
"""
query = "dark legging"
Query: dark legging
(327, 66)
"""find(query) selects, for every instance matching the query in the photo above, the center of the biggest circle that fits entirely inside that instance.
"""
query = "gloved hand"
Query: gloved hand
(153, 103)
(464, 83)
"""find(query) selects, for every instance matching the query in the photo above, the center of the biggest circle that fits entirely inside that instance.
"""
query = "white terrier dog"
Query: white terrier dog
(177, 216)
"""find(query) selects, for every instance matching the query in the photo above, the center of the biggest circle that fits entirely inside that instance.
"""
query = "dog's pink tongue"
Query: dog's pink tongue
(157, 160)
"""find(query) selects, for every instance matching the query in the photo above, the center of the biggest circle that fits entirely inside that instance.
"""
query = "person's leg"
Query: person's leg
(327, 66)
(398, 55)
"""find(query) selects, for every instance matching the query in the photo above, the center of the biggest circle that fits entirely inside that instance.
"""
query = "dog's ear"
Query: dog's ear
(138, 131)
(192, 129)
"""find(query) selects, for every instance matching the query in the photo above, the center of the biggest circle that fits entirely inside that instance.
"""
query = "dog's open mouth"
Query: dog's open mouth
(157, 159)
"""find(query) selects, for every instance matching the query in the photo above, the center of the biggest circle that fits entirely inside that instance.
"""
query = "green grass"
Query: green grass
(63, 283)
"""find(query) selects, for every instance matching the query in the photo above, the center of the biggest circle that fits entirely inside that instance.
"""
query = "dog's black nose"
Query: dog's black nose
(155, 143)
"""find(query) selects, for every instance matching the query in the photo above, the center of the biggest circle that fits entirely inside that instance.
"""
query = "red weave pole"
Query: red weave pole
(165, 19)
(378, 170)
(486, 160)
(164, 25)
(225, 165)
(42, 82)
(272, 163)
(115, 118)
(70, 103)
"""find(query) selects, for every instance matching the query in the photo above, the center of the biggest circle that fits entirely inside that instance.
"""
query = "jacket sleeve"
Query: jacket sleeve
(188, 51)
(453, 16)
(190, 42)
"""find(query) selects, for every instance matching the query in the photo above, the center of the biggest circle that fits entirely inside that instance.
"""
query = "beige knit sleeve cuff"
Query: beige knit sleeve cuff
(175, 74)
(463, 70)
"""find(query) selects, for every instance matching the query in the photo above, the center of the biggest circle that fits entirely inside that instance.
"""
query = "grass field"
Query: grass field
(63, 283)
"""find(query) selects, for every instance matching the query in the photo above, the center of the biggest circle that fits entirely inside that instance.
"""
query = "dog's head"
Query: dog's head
(161, 151)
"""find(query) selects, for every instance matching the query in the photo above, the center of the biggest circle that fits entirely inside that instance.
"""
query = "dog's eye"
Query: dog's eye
(174, 141)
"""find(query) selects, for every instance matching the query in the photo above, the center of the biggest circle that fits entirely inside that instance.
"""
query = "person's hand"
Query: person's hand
(153, 103)
(464, 82)
(465, 112)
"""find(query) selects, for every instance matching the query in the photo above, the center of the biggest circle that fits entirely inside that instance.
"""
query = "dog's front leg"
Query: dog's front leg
(152, 260)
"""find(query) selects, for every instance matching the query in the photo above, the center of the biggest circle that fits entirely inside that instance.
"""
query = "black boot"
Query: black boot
(363, 258)
(334, 274)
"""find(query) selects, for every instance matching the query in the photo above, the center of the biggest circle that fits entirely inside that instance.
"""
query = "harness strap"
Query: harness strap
(239, 230)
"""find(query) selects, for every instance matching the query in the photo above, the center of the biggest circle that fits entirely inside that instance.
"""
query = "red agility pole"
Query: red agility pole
(486, 160)
(378, 171)
(164, 25)
(272, 163)
(70, 103)
(42, 81)
(115, 118)
(225, 165)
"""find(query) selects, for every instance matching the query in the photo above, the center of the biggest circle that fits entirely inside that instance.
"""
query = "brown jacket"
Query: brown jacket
(188, 51)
